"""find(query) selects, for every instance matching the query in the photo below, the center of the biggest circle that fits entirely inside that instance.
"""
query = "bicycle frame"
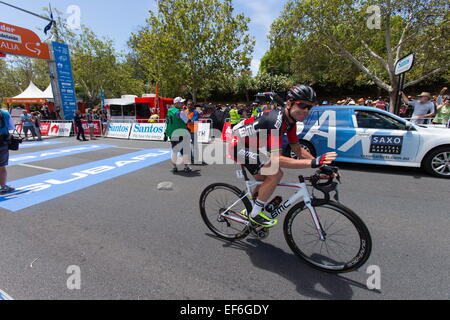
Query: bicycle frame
(302, 193)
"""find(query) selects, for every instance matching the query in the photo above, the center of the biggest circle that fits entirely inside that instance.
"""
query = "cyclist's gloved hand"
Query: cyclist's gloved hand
(324, 159)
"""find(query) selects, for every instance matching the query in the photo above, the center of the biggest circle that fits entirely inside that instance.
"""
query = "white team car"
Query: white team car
(373, 136)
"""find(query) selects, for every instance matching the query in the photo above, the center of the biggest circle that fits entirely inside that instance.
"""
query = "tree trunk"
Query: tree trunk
(194, 96)
(393, 93)
(392, 96)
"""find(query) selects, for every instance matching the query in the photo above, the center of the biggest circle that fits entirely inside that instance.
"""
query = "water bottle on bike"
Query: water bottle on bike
(273, 205)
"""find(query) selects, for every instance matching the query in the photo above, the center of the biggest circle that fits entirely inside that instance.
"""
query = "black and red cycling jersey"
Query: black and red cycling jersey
(265, 129)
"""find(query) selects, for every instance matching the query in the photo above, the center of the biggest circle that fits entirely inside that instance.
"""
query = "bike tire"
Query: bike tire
(203, 213)
(365, 238)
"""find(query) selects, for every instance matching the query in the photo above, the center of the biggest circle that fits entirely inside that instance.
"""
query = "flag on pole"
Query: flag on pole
(157, 98)
(102, 97)
(49, 26)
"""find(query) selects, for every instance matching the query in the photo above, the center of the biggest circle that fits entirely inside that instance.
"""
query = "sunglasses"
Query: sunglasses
(302, 105)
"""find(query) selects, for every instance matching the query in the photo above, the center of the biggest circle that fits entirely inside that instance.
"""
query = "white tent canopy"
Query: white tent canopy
(32, 92)
(48, 93)
(123, 101)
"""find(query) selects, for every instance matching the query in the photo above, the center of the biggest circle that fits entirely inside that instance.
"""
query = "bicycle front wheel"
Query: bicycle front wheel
(347, 244)
(224, 210)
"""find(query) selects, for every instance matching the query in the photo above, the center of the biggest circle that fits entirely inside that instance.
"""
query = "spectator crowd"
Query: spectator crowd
(423, 109)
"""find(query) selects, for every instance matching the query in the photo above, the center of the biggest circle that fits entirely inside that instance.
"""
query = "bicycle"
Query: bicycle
(320, 229)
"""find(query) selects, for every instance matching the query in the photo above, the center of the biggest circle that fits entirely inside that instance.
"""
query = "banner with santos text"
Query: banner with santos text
(148, 131)
(119, 130)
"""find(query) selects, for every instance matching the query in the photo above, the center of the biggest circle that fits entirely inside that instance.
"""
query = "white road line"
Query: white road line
(129, 148)
(36, 167)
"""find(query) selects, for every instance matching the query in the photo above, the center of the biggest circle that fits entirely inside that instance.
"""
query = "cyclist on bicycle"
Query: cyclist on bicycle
(300, 99)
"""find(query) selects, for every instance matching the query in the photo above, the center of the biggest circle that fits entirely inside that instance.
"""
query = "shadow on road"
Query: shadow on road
(307, 280)
(193, 173)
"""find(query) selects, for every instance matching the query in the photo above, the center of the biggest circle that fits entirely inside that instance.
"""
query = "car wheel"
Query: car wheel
(305, 145)
(437, 163)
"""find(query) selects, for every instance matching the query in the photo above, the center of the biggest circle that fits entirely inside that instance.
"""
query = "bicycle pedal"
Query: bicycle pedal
(260, 234)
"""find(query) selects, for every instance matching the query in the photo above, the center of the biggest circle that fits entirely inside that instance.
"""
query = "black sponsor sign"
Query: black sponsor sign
(386, 144)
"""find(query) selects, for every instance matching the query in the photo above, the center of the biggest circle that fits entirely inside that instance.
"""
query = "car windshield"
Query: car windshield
(377, 120)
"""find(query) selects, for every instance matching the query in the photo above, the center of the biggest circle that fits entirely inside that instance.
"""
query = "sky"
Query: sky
(117, 19)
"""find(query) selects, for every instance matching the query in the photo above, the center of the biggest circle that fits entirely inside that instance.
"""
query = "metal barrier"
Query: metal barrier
(124, 120)
(423, 119)
(427, 122)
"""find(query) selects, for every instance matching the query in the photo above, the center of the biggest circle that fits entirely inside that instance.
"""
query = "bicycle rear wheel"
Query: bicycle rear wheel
(347, 244)
(220, 198)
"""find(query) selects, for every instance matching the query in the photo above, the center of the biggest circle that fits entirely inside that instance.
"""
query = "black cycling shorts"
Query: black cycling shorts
(252, 161)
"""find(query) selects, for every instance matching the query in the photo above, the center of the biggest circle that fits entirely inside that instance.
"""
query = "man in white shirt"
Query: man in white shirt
(423, 108)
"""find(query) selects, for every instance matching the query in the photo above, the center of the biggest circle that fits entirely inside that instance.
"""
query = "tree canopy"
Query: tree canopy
(188, 44)
(202, 49)
(336, 41)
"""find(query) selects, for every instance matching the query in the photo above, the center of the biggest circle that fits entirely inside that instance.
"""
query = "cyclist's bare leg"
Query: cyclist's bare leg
(258, 177)
(265, 190)
(269, 185)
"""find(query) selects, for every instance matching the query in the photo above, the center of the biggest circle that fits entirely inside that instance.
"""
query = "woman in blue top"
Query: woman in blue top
(6, 124)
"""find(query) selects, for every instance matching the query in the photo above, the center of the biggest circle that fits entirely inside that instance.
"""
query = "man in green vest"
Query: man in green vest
(177, 131)
(235, 118)
(256, 109)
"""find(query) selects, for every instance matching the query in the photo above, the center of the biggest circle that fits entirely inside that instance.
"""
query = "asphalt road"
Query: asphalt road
(132, 241)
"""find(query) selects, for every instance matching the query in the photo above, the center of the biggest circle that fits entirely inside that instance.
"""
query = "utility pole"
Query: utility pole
(26, 11)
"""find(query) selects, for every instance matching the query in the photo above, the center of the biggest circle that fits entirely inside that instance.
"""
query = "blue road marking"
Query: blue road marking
(37, 144)
(41, 188)
(55, 153)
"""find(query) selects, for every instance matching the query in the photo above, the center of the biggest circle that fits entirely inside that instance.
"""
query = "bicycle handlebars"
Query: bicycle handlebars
(328, 173)
(325, 172)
